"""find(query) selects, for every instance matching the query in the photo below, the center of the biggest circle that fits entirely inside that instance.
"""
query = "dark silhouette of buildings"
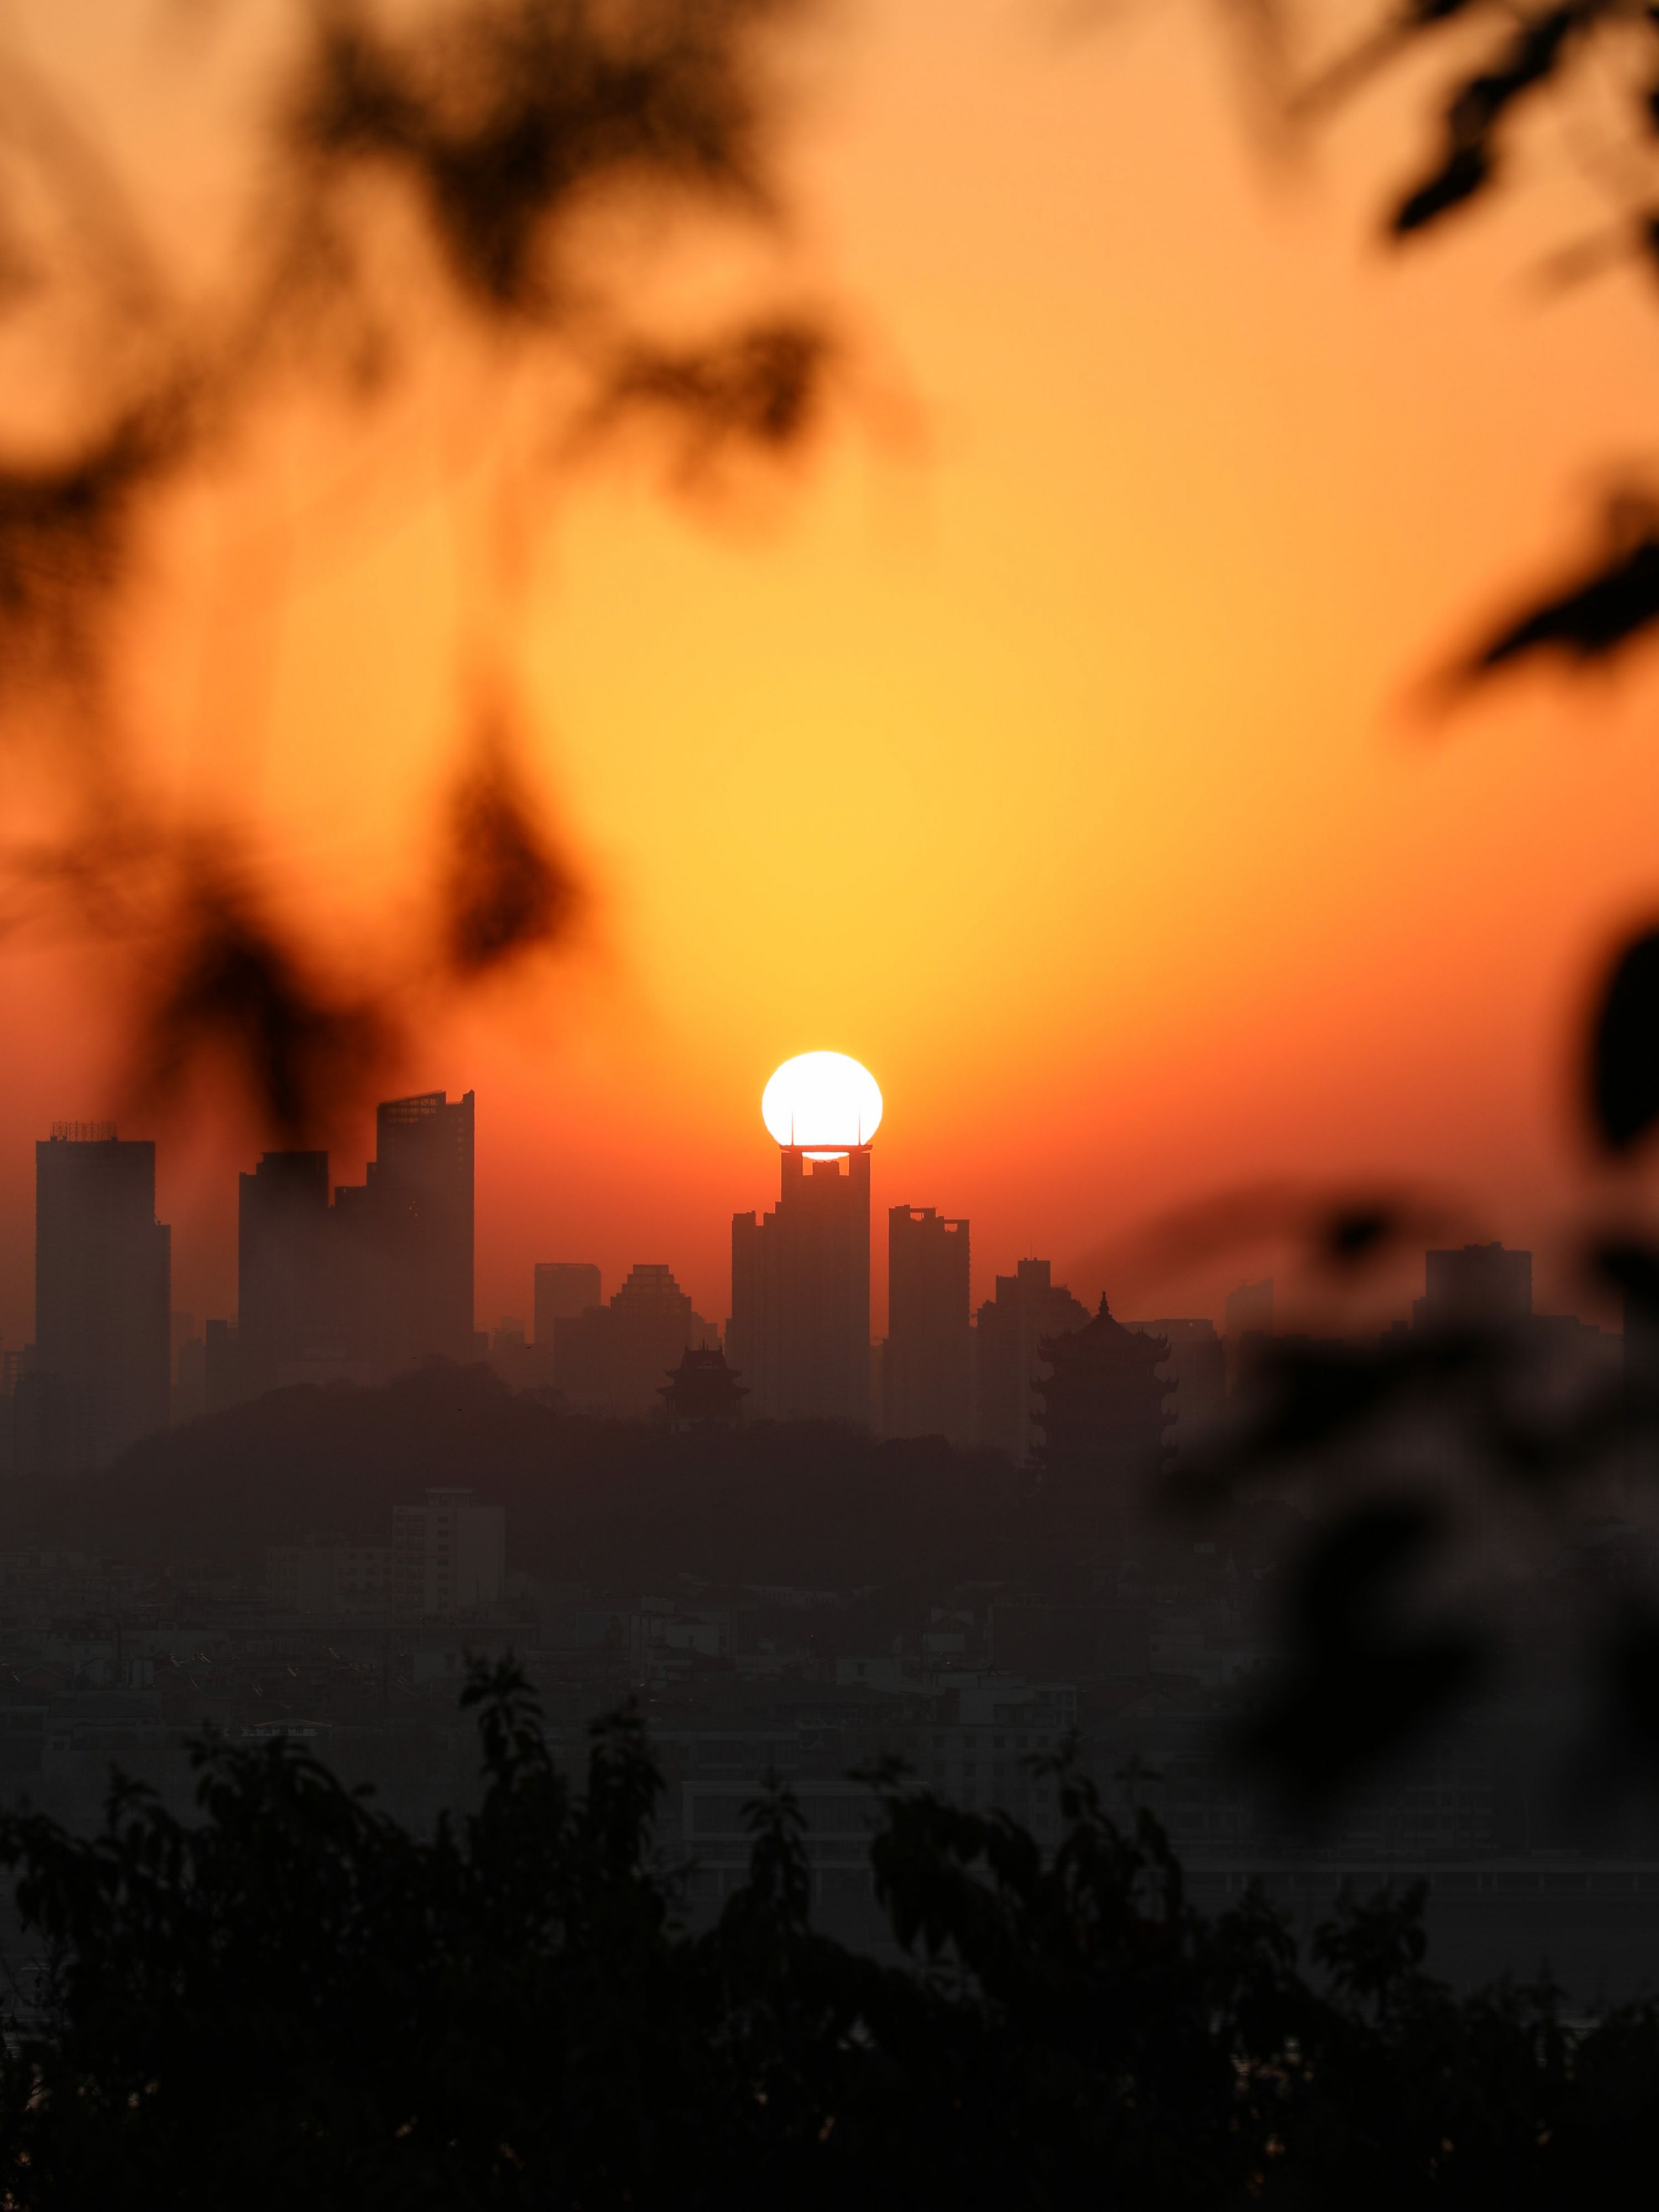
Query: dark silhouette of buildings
(288, 1284)
(800, 1332)
(1197, 1372)
(362, 1289)
(565, 1289)
(448, 1556)
(1008, 1339)
(1105, 1408)
(101, 1365)
(1481, 1286)
(1250, 1309)
(703, 1392)
(927, 1373)
(1249, 1331)
(613, 1358)
(404, 1236)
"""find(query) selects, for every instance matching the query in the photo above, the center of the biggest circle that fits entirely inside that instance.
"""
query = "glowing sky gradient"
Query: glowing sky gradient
(1055, 763)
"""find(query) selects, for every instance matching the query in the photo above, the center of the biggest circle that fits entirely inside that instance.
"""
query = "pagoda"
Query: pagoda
(1104, 1406)
(702, 1391)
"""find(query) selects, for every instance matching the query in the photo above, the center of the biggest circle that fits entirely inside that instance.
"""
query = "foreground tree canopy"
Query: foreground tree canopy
(296, 2000)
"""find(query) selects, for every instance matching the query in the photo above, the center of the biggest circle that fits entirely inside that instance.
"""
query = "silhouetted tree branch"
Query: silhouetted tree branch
(295, 1999)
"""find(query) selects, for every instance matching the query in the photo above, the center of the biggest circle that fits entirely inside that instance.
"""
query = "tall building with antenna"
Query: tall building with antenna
(798, 1339)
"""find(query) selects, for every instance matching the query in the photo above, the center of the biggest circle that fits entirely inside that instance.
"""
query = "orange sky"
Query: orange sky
(1053, 765)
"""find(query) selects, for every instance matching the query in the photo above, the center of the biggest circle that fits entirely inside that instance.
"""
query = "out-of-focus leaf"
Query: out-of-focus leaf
(509, 890)
(65, 530)
(1624, 1058)
(1467, 170)
(1358, 1679)
(230, 993)
(1593, 618)
(504, 117)
(1469, 162)
(1633, 1271)
(759, 388)
(1354, 1233)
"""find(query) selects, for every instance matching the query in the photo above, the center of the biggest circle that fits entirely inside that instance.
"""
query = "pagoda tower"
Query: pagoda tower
(702, 1391)
(1103, 1408)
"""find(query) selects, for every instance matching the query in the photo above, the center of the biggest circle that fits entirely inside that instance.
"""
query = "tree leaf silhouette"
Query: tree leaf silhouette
(1358, 1679)
(230, 991)
(1478, 104)
(509, 888)
(759, 387)
(1591, 620)
(1624, 1058)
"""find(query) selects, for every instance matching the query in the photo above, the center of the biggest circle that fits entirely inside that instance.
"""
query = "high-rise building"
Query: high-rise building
(102, 1281)
(1008, 1360)
(404, 1235)
(564, 1290)
(800, 1332)
(287, 1292)
(1479, 1287)
(1196, 1369)
(1248, 1332)
(928, 1371)
(448, 1556)
(1250, 1309)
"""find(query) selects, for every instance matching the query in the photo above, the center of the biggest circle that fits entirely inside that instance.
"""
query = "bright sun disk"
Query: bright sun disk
(822, 1099)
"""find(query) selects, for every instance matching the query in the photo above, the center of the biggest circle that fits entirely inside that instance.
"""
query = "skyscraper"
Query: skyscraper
(404, 1234)
(1481, 1286)
(1008, 1358)
(103, 1267)
(564, 1290)
(800, 1334)
(287, 1289)
(1196, 1371)
(928, 1383)
(1250, 1309)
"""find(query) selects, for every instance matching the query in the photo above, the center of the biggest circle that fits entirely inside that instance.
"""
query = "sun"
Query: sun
(822, 1100)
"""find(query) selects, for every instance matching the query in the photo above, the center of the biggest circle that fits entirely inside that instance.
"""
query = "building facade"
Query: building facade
(927, 1364)
(798, 1337)
(287, 1284)
(1476, 1287)
(1029, 1308)
(101, 1367)
(1196, 1371)
(448, 1556)
(565, 1289)
(403, 1237)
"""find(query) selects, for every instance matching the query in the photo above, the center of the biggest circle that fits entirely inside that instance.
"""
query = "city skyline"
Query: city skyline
(362, 1283)
(1222, 1286)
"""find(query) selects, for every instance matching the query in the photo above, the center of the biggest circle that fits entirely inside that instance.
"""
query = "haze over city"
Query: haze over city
(829, 963)
(1049, 741)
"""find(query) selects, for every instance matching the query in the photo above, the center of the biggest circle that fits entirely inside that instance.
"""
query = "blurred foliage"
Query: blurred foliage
(295, 2000)
(425, 174)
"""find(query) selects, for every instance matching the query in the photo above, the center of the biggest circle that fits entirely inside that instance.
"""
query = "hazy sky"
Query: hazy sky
(1051, 759)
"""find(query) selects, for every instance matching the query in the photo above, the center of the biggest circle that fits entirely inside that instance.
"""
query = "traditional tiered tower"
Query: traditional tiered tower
(703, 1392)
(1104, 1408)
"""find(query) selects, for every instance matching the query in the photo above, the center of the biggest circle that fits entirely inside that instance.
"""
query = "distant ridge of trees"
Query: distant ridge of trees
(587, 1500)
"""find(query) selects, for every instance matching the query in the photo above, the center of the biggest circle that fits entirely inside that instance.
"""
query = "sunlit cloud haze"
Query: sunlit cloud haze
(1047, 742)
